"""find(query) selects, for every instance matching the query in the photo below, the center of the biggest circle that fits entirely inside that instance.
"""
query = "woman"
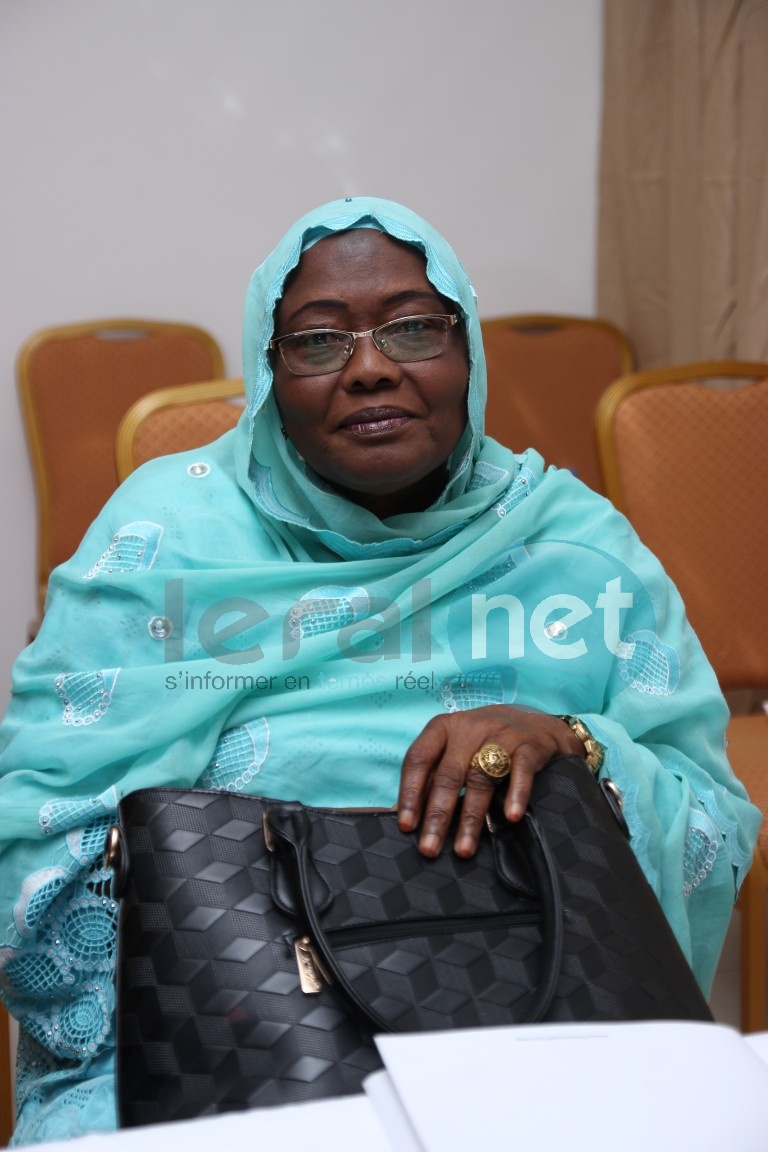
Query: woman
(345, 601)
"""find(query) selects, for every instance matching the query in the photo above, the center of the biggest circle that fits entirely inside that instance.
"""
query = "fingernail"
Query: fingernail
(514, 811)
(406, 821)
(464, 846)
(430, 845)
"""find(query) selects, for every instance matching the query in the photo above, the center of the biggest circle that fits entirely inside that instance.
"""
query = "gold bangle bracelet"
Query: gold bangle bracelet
(595, 753)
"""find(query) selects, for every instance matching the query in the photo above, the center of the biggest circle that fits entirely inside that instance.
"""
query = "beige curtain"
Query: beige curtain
(683, 218)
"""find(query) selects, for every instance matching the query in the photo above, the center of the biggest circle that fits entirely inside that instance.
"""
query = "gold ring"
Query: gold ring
(493, 761)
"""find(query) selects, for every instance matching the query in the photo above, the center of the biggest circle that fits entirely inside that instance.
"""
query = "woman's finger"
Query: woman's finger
(438, 766)
(474, 809)
(447, 782)
(418, 765)
(526, 762)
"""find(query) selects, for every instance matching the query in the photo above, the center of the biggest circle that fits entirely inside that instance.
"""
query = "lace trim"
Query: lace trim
(59, 1099)
(700, 850)
(61, 981)
(727, 828)
(86, 696)
(649, 665)
(61, 814)
(237, 758)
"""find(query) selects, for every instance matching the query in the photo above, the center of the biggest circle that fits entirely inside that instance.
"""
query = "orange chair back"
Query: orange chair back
(546, 374)
(685, 456)
(75, 383)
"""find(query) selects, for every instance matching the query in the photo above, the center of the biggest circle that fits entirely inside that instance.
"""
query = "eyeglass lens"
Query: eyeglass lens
(406, 340)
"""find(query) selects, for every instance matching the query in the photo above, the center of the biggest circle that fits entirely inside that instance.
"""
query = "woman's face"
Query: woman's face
(378, 431)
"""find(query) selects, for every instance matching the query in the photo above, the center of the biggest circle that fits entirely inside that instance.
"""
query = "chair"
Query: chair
(6, 1080)
(75, 383)
(684, 453)
(175, 419)
(545, 376)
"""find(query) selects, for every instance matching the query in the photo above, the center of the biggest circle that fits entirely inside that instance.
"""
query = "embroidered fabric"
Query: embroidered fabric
(521, 486)
(479, 689)
(741, 860)
(133, 547)
(700, 850)
(48, 1110)
(327, 608)
(485, 474)
(649, 665)
(57, 964)
(238, 756)
(86, 696)
(59, 815)
(500, 567)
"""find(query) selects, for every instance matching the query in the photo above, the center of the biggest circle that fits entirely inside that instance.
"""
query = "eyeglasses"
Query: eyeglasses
(321, 350)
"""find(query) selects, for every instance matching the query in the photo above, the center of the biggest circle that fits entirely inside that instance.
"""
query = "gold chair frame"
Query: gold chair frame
(6, 1080)
(206, 395)
(747, 734)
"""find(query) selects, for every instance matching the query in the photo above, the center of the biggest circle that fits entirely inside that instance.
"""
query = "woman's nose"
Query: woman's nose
(368, 367)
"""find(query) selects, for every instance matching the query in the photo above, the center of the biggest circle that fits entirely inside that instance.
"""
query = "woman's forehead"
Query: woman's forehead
(361, 261)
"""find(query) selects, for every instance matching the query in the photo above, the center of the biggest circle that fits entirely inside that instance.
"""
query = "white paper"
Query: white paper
(393, 1118)
(343, 1124)
(630, 1086)
(758, 1042)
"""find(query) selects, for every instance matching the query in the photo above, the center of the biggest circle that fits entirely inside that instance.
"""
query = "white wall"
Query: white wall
(155, 150)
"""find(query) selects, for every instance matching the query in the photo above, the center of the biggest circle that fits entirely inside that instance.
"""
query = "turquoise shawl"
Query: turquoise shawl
(229, 621)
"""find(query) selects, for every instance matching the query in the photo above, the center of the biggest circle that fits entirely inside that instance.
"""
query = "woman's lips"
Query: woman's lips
(373, 421)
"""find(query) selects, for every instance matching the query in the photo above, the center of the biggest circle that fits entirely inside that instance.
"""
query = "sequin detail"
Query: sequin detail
(133, 549)
(326, 609)
(649, 665)
(522, 486)
(86, 696)
(160, 627)
(199, 470)
(498, 568)
(237, 758)
(700, 850)
(729, 829)
(479, 689)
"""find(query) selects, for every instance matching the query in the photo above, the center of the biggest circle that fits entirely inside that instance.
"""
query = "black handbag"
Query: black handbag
(262, 944)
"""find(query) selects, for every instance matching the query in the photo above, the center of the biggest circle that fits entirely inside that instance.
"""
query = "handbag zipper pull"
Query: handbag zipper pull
(312, 971)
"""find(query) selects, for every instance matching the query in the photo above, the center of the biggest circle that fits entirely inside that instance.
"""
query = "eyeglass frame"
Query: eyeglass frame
(453, 318)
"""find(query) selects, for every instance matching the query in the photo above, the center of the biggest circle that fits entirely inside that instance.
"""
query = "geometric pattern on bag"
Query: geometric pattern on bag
(211, 1015)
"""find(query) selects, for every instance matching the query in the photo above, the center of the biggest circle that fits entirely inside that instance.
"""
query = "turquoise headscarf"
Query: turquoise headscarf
(272, 473)
(230, 621)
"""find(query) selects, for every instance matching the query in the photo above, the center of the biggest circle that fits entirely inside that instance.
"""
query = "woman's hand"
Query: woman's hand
(438, 765)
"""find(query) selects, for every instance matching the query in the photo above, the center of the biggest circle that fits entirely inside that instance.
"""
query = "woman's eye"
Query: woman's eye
(411, 326)
(309, 340)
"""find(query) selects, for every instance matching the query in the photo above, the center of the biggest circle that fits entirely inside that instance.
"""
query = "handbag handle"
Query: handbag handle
(289, 829)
